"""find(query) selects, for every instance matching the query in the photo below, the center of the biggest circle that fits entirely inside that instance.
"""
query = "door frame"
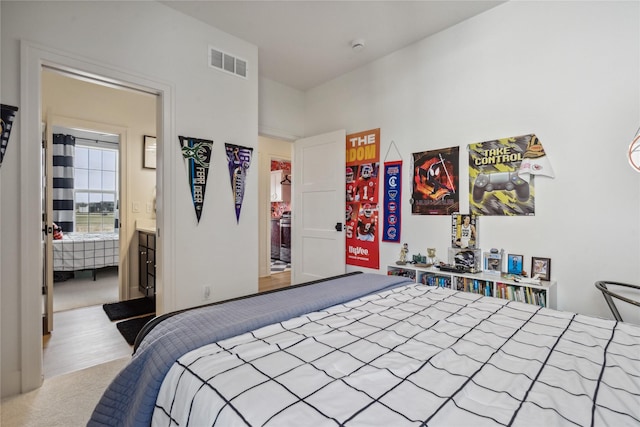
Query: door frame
(33, 57)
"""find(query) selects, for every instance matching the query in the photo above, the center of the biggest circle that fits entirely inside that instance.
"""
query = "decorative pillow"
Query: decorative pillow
(57, 232)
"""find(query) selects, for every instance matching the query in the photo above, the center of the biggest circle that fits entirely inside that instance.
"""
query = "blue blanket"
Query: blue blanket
(130, 398)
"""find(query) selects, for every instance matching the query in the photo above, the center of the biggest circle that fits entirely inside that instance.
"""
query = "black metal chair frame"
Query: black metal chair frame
(609, 295)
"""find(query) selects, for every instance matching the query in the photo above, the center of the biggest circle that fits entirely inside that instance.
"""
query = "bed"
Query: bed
(374, 350)
(85, 251)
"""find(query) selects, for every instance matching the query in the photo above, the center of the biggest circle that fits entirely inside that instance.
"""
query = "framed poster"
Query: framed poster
(435, 182)
(541, 267)
(514, 264)
(149, 159)
(464, 231)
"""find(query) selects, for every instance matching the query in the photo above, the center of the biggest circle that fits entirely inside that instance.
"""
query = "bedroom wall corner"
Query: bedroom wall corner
(575, 85)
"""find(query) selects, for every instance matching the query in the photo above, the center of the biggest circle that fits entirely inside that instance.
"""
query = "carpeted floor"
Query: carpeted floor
(63, 401)
(83, 291)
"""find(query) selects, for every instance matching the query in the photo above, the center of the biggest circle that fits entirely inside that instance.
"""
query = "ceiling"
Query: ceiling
(305, 43)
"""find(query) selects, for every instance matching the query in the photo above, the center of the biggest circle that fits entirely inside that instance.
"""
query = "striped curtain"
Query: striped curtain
(63, 151)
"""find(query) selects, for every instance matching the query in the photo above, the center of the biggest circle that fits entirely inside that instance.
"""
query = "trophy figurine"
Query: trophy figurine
(431, 257)
(403, 254)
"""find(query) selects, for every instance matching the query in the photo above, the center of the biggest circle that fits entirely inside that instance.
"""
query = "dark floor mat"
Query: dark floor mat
(131, 308)
(130, 328)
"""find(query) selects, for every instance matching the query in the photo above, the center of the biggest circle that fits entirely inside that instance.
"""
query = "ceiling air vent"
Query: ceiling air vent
(228, 63)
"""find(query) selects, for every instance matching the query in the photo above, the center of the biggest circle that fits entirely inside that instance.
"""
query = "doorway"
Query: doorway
(86, 233)
(275, 212)
(101, 215)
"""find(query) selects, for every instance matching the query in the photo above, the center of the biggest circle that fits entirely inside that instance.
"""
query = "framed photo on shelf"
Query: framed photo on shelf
(541, 267)
(514, 264)
(149, 152)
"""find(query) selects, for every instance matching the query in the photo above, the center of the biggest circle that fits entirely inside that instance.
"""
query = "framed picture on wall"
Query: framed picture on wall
(149, 155)
(541, 267)
(514, 264)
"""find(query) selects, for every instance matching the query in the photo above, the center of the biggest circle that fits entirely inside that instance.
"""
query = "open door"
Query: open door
(318, 206)
(47, 229)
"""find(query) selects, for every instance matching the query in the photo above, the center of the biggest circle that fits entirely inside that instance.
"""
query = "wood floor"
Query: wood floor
(86, 337)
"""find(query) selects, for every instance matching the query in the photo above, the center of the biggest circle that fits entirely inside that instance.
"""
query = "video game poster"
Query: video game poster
(435, 182)
(361, 217)
(239, 160)
(197, 153)
(495, 188)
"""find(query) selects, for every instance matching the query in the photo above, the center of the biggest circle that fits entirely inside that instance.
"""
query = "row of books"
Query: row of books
(433, 280)
(411, 274)
(474, 286)
(521, 294)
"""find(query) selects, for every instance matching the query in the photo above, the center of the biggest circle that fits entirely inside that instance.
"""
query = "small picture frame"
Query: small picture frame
(149, 154)
(515, 264)
(541, 267)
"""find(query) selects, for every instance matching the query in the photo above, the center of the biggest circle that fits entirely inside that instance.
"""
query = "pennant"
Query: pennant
(6, 123)
(535, 161)
(392, 197)
(197, 153)
(239, 159)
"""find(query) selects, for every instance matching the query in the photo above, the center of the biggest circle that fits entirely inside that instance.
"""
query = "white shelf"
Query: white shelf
(483, 283)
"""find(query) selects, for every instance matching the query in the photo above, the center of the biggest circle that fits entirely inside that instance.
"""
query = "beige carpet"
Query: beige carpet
(63, 401)
(83, 291)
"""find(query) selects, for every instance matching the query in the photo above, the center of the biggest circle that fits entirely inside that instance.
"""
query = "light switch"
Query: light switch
(136, 207)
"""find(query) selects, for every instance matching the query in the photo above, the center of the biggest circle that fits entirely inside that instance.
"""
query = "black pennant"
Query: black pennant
(6, 123)
(197, 153)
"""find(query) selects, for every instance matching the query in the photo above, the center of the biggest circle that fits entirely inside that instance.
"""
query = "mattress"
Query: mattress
(84, 251)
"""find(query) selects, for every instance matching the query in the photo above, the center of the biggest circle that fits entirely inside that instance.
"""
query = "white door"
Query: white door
(318, 207)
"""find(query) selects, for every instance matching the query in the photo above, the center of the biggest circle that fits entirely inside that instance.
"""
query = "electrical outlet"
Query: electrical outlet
(149, 207)
(206, 292)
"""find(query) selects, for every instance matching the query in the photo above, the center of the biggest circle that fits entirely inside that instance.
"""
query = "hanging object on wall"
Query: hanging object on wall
(362, 173)
(435, 182)
(239, 159)
(496, 188)
(634, 152)
(535, 161)
(8, 114)
(392, 195)
(197, 154)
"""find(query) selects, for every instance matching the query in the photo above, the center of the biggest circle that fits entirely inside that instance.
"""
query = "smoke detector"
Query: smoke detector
(357, 45)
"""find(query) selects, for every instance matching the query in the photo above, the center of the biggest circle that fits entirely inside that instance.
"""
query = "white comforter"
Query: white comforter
(414, 355)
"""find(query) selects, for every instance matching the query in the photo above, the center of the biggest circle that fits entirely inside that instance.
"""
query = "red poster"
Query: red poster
(362, 176)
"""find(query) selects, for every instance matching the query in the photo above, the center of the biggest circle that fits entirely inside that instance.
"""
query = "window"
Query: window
(96, 189)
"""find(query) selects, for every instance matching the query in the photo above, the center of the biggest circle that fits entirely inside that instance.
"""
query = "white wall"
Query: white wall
(568, 72)
(148, 40)
(281, 110)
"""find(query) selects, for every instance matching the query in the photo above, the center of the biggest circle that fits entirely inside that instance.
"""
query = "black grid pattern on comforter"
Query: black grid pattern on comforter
(80, 251)
(415, 355)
